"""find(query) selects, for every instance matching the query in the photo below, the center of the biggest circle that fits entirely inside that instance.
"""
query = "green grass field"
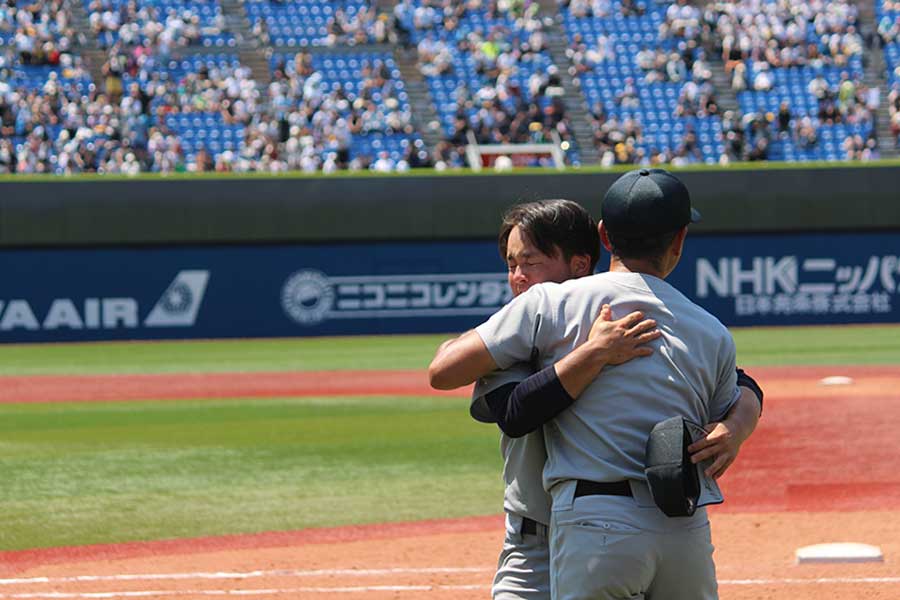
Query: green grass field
(863, 344)
(93, 473)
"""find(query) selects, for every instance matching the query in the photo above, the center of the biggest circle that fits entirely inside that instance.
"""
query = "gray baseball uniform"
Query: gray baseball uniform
(619, 546)
(523, 570)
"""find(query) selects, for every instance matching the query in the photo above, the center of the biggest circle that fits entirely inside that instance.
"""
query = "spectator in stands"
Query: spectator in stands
(676, 70)
(165, 152)
(856, 148)
(402, 22)
(828, 113)
(776, 32)
(603, 51)
(260, 31)
(739, 77)
(645, 59)
(585, 8)
(659, 157)
(872, 100)
(805, 134)
(820, 88)
(584, 57)
(41, 31)
(846, 93)
(435, 57)
(416, 155)
(701, 70)
(689, 148)
(7, 157)
(134, 24)
(760, 150)
(759, 137)
(112, 71)
(893, 101)
(597, 115)
(447, 156)
(383, 164)
(577, 53)
(696, 100)
(656, 63)
(631, 8)
(628, 97)
(682, 21)
(888, 29)
(784, 118)
(762, 78)
(611, 133)
(351, 30)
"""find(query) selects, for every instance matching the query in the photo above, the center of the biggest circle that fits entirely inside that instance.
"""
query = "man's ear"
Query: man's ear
(604, 237)
(580, 265)
(678, 242)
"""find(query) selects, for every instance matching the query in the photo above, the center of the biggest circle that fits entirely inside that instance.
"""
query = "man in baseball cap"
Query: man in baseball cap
(609, 538)
(647, 202)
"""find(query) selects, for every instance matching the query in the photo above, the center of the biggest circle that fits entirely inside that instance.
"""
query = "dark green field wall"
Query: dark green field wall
(315, 209)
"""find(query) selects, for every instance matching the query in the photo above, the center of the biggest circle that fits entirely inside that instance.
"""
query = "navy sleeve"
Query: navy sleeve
(744, 380)
(521, 408)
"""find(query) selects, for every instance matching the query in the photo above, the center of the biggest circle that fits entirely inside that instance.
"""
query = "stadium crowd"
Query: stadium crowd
(782, 34)
(41, 32)
(509, 91)
(134, 24)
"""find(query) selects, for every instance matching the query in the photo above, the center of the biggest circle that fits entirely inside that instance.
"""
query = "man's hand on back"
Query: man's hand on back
(625, 338)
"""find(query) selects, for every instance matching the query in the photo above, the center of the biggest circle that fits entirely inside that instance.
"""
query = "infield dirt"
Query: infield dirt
(819, 468)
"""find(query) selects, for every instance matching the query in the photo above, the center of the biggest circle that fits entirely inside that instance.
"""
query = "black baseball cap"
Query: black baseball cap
(678, 486)
(647, 202)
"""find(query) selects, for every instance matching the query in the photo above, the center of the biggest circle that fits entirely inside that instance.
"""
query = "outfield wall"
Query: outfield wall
(219, 291)
(213, 258)
(92, 212)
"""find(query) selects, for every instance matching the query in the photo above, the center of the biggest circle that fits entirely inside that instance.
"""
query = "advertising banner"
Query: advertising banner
(421, 287)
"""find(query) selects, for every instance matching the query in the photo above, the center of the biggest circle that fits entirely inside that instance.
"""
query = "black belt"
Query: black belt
(602, 488)
(529, 526)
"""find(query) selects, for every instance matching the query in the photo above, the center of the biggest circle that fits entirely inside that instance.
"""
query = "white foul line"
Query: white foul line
(112, 595)
(378, 588)
(818, 580)
(260, 592)
(248, 574)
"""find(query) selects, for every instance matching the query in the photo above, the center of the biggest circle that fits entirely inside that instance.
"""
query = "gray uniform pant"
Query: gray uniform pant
(523, 571)
(611, 548)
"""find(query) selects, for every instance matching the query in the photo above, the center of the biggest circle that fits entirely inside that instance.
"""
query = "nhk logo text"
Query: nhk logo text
(177, 307)
(310, 297)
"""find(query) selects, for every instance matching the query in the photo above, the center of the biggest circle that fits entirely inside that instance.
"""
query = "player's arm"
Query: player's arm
(460, 361)
(505, 339)
(521, 408)
(726, 437)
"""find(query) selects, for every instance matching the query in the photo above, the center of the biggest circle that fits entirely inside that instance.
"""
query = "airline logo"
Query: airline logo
(177, 307)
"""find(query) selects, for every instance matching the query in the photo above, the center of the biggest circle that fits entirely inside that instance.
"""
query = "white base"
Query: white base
(839, 553)
(836, 380)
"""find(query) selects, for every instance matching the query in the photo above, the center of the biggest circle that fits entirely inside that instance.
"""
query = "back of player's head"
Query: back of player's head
(554, 226)
(644, 210)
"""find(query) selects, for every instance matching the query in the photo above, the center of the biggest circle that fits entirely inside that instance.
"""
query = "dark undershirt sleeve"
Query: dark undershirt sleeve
(744, 380)
(521, 408)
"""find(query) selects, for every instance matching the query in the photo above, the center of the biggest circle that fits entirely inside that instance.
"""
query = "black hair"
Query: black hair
(553, 226)
(650, 248)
